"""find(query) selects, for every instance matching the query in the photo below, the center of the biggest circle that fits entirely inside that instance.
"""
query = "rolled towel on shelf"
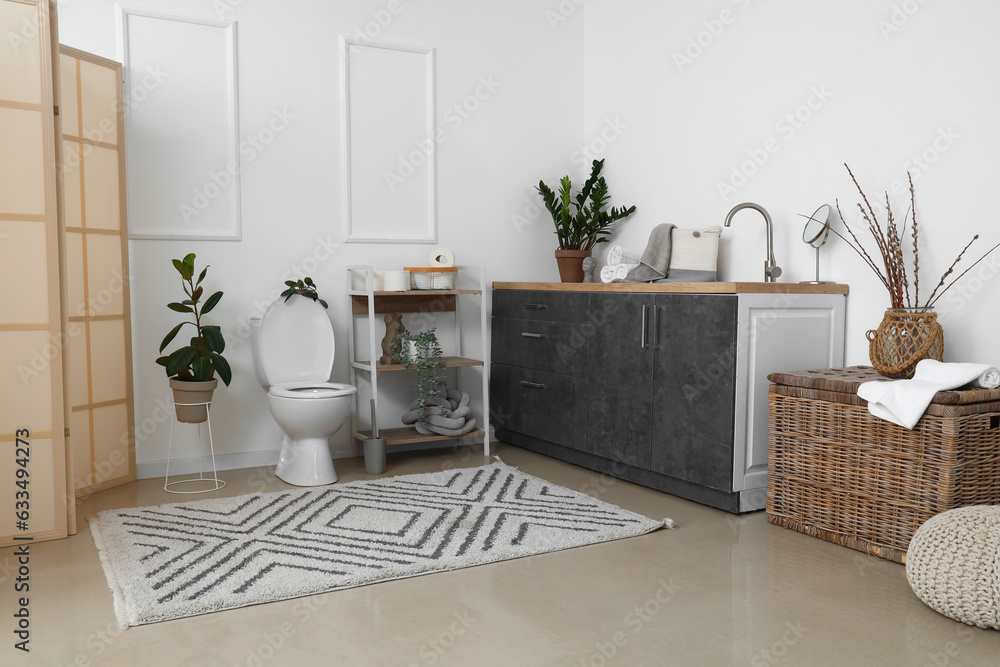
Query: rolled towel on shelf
(608, 273)
(620, 255)
(903, 402)
(621, 271)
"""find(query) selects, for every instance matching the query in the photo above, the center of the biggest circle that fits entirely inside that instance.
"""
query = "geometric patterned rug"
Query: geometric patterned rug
(184, 559)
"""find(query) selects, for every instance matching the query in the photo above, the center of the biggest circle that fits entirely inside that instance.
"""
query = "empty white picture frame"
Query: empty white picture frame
(182, 127)
(389, 143)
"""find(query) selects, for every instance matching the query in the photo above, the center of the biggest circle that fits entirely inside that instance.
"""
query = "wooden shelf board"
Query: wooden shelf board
(449, 362)
(408, 435)
(680, 288)
(419, 292)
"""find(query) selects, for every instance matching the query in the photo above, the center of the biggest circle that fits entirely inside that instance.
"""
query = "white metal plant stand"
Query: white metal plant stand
(214, 479)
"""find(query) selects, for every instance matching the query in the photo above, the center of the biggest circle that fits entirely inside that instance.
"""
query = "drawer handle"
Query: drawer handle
(534, 306)
(533, 385)
(528, 334)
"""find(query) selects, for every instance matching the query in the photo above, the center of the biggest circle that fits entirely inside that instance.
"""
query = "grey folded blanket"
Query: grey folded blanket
(655, 261)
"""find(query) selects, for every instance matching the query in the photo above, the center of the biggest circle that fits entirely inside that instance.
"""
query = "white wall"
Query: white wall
(890, 95)
(604, 76)
(291, 199)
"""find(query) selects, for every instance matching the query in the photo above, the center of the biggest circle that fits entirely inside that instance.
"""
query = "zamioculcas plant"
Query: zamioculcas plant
(582, 221)
(202, 358)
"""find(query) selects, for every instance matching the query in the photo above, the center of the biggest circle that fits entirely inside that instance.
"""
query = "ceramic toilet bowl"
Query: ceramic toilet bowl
(309, 413)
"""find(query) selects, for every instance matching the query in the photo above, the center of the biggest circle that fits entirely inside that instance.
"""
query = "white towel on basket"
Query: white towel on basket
(903, 402)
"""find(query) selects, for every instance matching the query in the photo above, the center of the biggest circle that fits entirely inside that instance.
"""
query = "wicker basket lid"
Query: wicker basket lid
(847, 381)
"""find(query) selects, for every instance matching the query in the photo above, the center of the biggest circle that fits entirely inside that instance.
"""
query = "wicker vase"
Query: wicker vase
(905, 337)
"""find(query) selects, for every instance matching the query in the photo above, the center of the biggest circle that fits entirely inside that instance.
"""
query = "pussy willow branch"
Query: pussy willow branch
(874, 219)
(963, 273)
(856, 246)
(951, 268)
(889, 242)
(916, 245)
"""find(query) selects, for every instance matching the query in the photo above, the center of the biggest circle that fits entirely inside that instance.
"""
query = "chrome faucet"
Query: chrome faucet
(771, 269)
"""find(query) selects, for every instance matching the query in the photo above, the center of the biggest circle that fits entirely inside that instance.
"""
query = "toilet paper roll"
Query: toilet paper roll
(442, 257)
(396, 281)
(378, 280)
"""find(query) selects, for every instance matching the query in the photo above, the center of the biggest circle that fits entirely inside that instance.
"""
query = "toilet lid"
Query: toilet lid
(296, 342)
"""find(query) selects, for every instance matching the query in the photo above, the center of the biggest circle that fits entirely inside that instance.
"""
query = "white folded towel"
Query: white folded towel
(619, 255)
(903, 402)
(622, 270)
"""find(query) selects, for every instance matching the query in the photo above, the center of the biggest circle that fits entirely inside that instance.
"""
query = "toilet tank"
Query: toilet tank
(254, 344)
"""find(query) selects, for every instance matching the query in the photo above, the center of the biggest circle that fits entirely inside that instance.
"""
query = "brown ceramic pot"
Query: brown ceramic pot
(571, 264)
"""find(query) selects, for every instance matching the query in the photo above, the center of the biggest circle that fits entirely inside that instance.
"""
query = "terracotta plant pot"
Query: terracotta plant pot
(192, 392)
(905, 337)
(571, 264)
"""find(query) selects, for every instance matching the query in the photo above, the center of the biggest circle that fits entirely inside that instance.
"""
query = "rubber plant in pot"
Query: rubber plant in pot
(421, 352)
(582, 221)
(192, 368)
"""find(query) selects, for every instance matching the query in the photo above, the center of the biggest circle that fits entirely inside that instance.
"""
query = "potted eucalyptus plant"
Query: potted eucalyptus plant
(421, 352)
(191, 368)
(581, 221)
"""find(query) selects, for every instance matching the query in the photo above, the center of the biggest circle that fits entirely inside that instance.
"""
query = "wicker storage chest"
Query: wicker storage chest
(837, 473)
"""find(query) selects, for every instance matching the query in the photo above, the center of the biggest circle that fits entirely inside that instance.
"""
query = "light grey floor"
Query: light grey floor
(718, 590)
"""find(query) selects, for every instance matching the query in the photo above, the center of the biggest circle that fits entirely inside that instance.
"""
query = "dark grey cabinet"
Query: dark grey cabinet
(694, 371)
(621, 378)
(663, 388)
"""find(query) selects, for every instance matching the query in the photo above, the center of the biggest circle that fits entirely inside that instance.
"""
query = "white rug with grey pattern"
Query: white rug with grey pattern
(184, 559)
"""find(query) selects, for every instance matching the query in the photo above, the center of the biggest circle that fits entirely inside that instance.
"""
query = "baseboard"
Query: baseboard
(238, 461)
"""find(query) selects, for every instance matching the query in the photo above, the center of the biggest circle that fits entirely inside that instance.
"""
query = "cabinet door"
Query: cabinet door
(620, 373)
(694, 385)
(547, 406)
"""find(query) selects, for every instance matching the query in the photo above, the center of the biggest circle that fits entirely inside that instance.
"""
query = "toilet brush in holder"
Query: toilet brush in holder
(374, 448)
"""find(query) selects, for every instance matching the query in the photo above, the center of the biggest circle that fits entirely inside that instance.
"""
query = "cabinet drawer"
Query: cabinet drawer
(541, 305)
(544, 405)
(556, 347)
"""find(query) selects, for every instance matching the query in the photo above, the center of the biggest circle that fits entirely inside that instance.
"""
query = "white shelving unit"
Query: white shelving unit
(368, 302)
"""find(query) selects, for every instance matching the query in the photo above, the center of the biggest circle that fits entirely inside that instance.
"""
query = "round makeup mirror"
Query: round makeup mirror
(815, 233)
(816, 230)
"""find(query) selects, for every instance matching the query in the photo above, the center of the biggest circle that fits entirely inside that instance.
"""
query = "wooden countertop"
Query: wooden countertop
(680, 288)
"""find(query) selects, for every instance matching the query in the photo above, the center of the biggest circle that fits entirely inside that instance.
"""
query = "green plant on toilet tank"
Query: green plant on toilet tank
(201, 358)
(303, 287)
(421, 352)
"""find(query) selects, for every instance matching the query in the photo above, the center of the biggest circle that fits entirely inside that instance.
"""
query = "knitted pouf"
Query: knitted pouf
(953, 564)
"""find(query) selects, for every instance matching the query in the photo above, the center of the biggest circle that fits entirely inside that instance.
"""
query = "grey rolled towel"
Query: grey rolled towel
(655, 261)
